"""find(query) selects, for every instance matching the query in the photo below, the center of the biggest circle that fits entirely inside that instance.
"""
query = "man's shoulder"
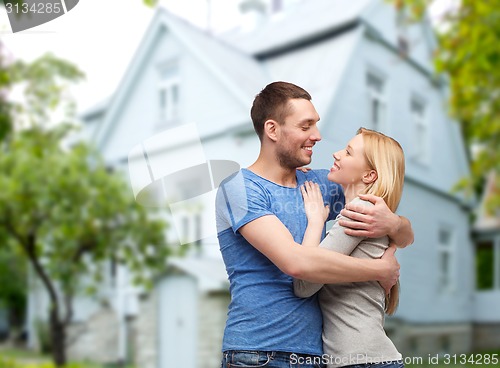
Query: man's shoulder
(242, 184)
(239, 178)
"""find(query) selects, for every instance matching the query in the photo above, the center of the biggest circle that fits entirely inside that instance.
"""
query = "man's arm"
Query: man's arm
(376, 221)
(268, 235)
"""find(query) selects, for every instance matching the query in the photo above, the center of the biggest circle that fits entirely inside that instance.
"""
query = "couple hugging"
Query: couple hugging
(301, 297)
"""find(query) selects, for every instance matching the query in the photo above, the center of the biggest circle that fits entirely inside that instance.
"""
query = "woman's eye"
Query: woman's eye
(347, 152)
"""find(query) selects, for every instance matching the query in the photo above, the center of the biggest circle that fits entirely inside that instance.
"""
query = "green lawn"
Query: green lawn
(29, 359)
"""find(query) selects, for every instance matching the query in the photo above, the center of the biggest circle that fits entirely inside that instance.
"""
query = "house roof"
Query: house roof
(241, 74)
(245, 62)
(233, 58)
(96, 110)
(307, 21)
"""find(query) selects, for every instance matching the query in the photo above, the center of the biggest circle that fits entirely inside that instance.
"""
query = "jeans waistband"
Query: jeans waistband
(282, 355)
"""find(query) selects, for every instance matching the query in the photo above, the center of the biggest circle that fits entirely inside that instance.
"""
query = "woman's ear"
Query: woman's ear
(369, 177)
(270, 129)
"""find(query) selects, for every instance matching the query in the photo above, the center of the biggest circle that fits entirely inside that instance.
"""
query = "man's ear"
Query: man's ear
(369, 177)
(271, 129)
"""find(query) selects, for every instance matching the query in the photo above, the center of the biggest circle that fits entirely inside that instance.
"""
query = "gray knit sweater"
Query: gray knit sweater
(353, 313)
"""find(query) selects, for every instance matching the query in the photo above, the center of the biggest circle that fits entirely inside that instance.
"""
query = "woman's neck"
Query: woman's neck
(351, 191)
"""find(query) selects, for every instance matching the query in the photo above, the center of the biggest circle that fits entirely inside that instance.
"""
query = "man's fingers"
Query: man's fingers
(359, 208)
(359, 233)
(353, 224)
(369, 197)
(356, 208)
(355, 216)
(391, 250)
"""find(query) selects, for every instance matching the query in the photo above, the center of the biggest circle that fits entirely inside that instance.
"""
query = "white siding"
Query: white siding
(422, 299)
(177, 322)
(203, 100)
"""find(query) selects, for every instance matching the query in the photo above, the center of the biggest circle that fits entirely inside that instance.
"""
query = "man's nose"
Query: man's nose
(315, 135)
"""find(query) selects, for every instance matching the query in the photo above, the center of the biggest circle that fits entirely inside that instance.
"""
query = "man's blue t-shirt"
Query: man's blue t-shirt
(264, 314)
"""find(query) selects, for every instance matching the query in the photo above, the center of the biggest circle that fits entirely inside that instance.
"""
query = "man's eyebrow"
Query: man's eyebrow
(308, 121)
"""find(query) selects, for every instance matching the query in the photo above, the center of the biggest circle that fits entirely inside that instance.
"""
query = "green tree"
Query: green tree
(61, 206)
(13, 278)
(468, 54)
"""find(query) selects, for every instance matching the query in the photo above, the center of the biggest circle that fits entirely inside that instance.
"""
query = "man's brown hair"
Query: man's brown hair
(273, 103)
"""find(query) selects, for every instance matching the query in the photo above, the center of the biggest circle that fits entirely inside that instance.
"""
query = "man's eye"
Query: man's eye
(305, 128)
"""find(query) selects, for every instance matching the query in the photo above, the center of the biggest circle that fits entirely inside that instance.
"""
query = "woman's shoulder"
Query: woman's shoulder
(362, 202)
(356, 201)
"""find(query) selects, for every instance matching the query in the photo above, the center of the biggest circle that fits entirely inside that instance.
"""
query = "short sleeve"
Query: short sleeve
(239, 201)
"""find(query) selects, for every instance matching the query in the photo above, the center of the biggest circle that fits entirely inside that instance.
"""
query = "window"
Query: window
(376, 102)
(277, 6)
(192, 224)
(168, 94)
(488, 265)
(421, 131)
(445, 257)
(192, 229)
(444, 344)
(403, 45)
(413, 345)
(402, 21)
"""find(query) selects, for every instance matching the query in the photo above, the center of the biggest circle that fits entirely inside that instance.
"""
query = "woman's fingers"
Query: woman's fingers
(311, 192)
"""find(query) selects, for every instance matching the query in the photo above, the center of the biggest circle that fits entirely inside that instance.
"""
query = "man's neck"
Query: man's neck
(274, 172)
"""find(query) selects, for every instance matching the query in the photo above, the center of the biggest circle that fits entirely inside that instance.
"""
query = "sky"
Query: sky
(101, 36)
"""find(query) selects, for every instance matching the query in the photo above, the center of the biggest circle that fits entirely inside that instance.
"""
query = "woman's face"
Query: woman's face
(350, 163)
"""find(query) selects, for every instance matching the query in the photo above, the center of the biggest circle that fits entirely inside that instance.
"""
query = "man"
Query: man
(261, 223)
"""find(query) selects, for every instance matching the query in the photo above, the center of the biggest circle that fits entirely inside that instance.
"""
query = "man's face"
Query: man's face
(298, 135)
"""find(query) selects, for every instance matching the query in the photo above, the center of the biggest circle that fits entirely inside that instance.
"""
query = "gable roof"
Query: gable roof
(241, 74)
(308, 21)
(245, 62)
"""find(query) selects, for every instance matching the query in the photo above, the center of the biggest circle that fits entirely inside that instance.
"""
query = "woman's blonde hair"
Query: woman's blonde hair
(385, 155)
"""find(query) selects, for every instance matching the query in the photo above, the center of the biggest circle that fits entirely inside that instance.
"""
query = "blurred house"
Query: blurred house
(364, 65)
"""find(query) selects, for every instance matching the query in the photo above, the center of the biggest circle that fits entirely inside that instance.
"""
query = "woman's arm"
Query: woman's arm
(376, 221)
(335, 240)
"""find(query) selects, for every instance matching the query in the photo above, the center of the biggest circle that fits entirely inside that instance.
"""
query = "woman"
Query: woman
(353, 313)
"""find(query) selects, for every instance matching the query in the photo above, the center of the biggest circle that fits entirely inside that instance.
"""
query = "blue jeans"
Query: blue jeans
(394, 364)
(269, 359)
